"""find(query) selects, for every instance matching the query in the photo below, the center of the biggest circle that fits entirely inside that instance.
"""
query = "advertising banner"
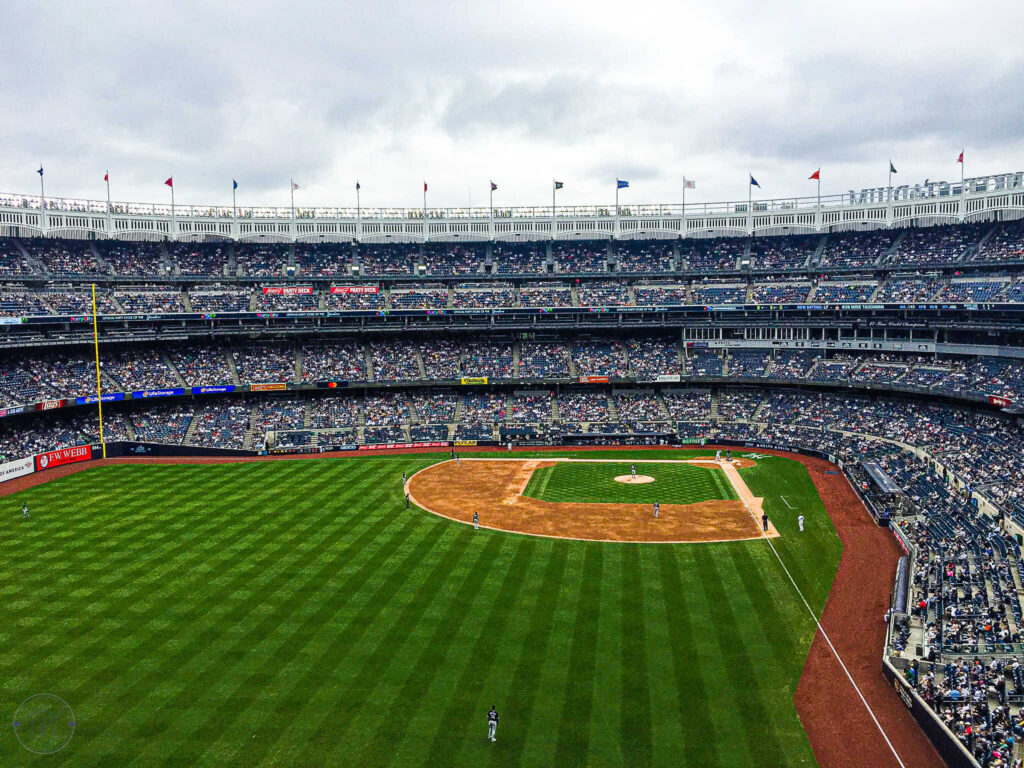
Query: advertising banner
(668, 377)
(355, 289)
(474, 380)
(387, 446)
(287, 290)
(110, 397)
(48, 405)
(52, 459)
(1002, 402)
(273, 387)
(465, 442)
(14, 410)
(147, 393)
(594, 379)
(19, 468)
(213, 390)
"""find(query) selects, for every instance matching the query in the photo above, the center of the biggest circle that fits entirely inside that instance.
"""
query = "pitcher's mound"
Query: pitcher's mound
(630, 480)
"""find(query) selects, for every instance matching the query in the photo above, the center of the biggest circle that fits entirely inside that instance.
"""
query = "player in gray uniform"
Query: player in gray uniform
(24, 511)
(657, 508)
(476, 521)
(492, 724)
(632, 470)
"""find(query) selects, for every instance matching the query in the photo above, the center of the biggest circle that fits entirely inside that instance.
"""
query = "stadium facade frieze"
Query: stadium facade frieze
(975, 199)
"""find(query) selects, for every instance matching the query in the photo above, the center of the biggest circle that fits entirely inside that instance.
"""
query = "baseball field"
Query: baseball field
(297, 613)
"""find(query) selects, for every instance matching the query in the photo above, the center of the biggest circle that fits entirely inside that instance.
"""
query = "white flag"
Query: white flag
(294, 185)
(689, 184)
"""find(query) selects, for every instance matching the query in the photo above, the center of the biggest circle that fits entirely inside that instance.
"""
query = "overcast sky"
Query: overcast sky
(521, 92)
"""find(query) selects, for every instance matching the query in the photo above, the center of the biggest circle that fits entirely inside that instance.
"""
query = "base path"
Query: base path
(493, 488)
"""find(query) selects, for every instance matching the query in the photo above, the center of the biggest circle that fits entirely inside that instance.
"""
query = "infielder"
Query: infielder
(718, 455)
(632, 470)
(800, 521)
(657, 509)
(476, 521)
(492, 724)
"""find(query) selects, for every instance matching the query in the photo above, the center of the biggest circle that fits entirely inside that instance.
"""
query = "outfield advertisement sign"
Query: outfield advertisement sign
(1002, 402)
(19, 468)
(147, 393)
(389, 446)
(14, 410)
(276, 386)
(52, 459)
(110, 397)
(213, 390)
(355, 289)
(594, 379)
(474, 380)
(49, 405)
(668, 377)
(287, 290)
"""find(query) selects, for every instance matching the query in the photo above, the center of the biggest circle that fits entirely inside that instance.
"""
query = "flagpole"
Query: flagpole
(553, 188)
(888, 211)
(110, 208)
(491, 185)
(174, 220)
(616, 207)
(750, 203)
(963, 192)
(291, 186)
(234, 207)
(819, 199)
(42, 201)
(359, 215)
(424, 212)
(682, 225)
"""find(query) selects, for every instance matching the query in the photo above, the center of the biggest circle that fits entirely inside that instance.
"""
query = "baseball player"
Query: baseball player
(800, 521)
(718, 455)
(764, 521)
(632, 470)
(406, 499)
(24, 511)
(476, 521)
(728, 455)
(457, 462)
(404, 479)
(657, 509)
(492, 724)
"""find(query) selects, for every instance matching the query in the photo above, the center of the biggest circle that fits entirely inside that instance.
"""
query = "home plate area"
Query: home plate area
(700, 500)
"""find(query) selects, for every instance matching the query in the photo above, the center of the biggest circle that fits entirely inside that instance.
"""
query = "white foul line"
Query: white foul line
(787, 502)
(829, 641)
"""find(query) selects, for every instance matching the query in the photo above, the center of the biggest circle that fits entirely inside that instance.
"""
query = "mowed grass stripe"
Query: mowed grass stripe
(196, 635)
(605, 737)
(453, 742)
(578, 702)
(635, 708)
(689, 662)
(281, 637)
(721, 585)
(430, 659)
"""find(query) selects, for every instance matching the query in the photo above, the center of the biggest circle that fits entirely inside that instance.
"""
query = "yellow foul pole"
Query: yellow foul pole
(99, 392)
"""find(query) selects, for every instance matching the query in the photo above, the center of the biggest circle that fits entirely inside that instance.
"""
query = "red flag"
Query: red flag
(106, 177)
(424, 186)
(815, 175)
(961, 158)
(170, 182)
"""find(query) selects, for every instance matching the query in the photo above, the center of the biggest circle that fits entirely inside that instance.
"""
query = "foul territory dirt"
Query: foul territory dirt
(493, 488)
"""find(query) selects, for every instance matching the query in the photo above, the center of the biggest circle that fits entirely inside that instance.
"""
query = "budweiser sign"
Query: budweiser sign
(355, 289)
(287, 290)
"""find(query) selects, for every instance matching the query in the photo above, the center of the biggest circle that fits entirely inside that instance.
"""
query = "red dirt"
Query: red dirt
(839, 728)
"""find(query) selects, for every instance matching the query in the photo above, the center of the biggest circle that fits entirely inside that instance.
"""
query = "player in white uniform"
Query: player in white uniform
(632, 470)
(800, 521)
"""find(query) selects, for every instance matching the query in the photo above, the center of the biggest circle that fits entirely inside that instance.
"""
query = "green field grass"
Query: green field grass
(295, 613)
(594, 483)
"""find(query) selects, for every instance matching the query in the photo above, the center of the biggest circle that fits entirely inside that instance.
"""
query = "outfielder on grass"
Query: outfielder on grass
(492, 724)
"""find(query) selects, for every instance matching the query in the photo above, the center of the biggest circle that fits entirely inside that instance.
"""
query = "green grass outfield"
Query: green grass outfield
(180, 610)
(594, 483)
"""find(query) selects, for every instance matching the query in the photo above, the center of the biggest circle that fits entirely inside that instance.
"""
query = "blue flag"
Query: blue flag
(234, 184)
(622, 184)
(753, 182)
(558, 185)
(40, 171)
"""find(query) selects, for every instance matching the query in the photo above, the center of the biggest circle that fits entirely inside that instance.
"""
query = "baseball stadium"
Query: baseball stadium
(356, 410)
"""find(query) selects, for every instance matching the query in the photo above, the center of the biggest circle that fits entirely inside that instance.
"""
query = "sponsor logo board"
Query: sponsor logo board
(57, 458)
(19, 468)
(271, 387)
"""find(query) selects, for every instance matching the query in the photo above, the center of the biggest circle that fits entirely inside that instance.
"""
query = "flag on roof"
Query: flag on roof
(358, 186)
(106, 176)
(424, 186)
(961, 158)
(294, 186)
(40, 171)
(816, 175)
(689, 183)
(559, 185)
(753, 182)
(234, 184)
(892, 168)
(621, 184)
(493, 186)
(170, 182)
